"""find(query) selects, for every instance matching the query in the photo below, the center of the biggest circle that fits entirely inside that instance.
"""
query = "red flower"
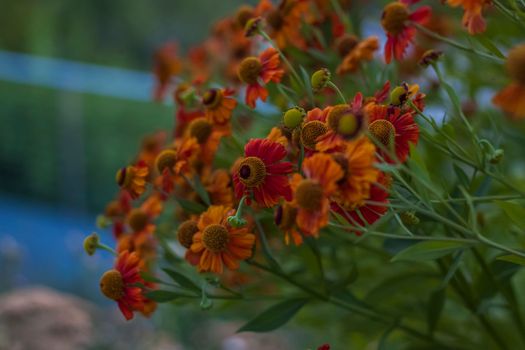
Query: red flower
(396, 20)
(257, 70)
(119, 284)
(262, 172)
(394, 129)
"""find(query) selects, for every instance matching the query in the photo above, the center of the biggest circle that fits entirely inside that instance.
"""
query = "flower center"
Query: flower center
(166, 159)
(249, 70)
(252, 171)
(343, 121)
(394, 17)
(311, 131)
(244, 13)
(137, 219)
(383, 131)
(201, 129)
(185, 233)
(123, 176)
(345, 44)
(275, 20)
(112, 284)
(309, 195)
(516, 63)
(215, 238)
(212, 98)
(285, 216)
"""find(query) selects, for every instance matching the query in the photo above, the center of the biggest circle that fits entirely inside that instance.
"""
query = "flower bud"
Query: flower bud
(236, 222)
(91, 244)
(293, 117)
(496, 156)
(397, 95)
(252, 27)
(320, 79)
(409, 218)
(429, 57)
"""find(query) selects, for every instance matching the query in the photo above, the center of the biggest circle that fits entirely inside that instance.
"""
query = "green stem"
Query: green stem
(341, 96)
(456, 44)
(341, 14)
(106, 248)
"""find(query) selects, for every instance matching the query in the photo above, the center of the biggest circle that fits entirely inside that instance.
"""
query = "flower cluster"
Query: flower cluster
(295, 128)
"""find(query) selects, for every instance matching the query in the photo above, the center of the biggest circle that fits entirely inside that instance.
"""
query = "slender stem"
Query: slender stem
(456, 44)
(414, 237)
(106, 248)
(341, 96)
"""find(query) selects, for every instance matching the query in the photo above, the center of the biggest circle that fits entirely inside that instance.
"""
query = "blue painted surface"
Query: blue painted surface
(43, 245)
(76, 76)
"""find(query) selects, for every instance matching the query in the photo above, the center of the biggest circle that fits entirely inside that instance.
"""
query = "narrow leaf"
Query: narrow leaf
(275, 316)
(149, 277)
(429, 250)
(201, 191)
(514, 211)
(190, 206)
(182, 280)
(518, 260)
(162, 296)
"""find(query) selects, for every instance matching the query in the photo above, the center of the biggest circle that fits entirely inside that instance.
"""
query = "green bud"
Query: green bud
(91, 244)
(320, 79)
(236, 222)
(497, 156)
(409, 218)
(293, 117)
(397, 96)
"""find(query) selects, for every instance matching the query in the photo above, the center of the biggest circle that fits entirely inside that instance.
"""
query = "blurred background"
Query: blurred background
(75, 100)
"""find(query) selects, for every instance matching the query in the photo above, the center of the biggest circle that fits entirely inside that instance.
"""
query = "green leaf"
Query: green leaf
(514, 211)
(307, 84)
(489, 45)
(162, 296)
(429, 250)
(201, 191)
(518, 260)
(462, 177)
(182, 280)
(275, 316)
(191, 206)
(149, 277)
(436, 302)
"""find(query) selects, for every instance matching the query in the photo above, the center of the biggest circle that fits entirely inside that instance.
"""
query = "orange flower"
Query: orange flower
(218, 184)
(119, 284)
(166, 65)
(361, 51)
(141, 219)
(133, 179)
(208, 137)
(141, 243)
(359, 173)
(185, 234)
(219, 105)
(313, 128)
(220, 244)
(285, 20)
(512, 98)
(396, 21)
(276, 135)
(372, 209)
(284, 217)
(175, 161)
(254, 70)
(312, 193)
(472, 18)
